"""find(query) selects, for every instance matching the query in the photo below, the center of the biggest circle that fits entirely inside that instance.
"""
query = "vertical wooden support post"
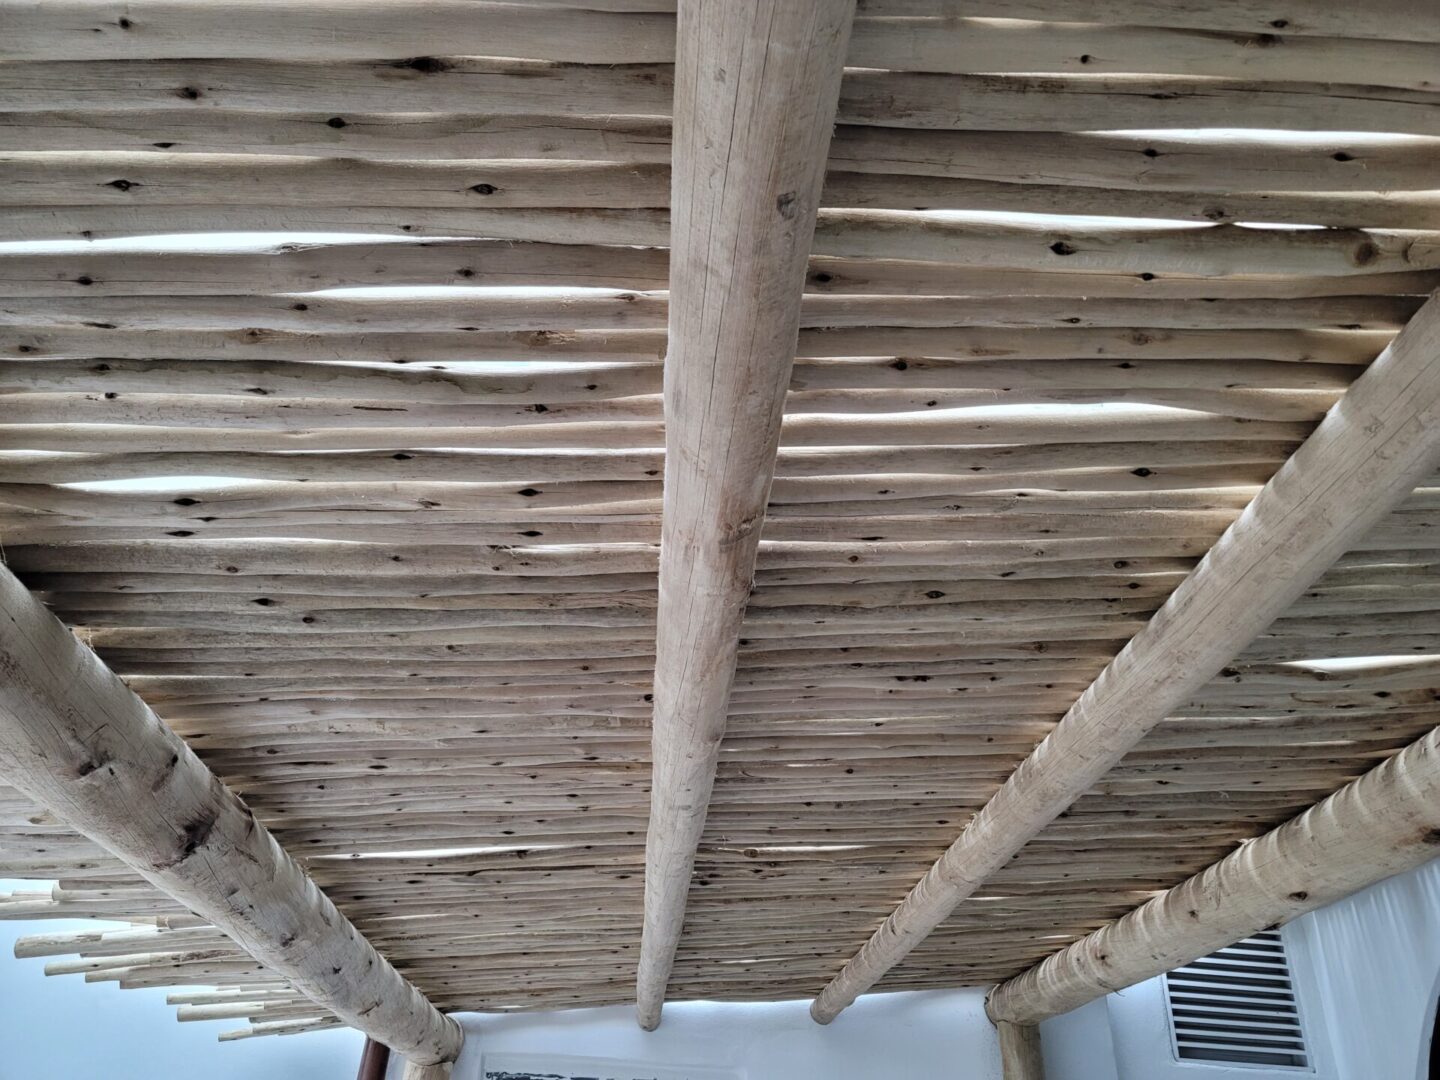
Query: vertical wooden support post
(1020, 1051)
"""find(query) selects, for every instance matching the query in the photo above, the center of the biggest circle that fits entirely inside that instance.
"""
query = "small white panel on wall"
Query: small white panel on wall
(554, 1067)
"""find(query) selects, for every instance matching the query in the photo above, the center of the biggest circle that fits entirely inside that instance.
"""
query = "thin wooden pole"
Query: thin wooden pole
(75, 739)
(1384, 823)
(1368, 453)
(756, 89)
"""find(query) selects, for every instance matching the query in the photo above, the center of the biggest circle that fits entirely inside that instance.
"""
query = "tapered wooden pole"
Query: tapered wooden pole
(1368, 453)
(1386, 822)
(75, 739)
(1020, 1051)
(757, 83)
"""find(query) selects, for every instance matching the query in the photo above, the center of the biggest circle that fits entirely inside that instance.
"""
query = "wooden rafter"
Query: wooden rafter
(1384, 823)
(756, 90)
(80, 743)
(1370, 451)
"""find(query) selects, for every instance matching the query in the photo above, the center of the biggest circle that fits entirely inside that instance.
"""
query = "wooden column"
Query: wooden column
(75, 739)
(1386, 822)
(1020, 1051)
(756, 87)
(1368, 453)
(373, 1061)
(415, 1071)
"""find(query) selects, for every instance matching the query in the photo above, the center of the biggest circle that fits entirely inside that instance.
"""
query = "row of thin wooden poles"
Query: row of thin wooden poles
(1349, 276)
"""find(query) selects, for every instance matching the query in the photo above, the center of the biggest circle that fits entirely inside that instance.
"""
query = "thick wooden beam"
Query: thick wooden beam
(1020, 1051)
(75, 739)
(1368, 453)
(1384, 823)
(756, 89)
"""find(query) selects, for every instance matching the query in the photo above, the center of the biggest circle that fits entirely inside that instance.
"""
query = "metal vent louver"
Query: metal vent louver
(1237, 1006)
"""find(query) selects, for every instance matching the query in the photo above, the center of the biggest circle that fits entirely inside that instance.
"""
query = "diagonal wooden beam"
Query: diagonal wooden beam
(756, 86)
(1368, 453)
(1384, 823)
(75, 739)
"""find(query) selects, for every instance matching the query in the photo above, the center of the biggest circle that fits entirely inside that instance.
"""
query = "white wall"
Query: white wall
(1140, 1030)
(1377, 956)
(939, 1035)
(1079, 1044)
(62, 1028)
(1367, 972)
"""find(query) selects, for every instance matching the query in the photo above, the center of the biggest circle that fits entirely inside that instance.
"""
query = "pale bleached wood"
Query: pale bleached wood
(1020, 1051)
(142, 182)
(265, 29)
(904, 99)
(755, 104)
(160, 29)
(1419, 210)
(369, 135)
(624, 311)
(1382, 824)
(1404, 19)
(136, 788)
(910, 99)
(1367, 455)
(1156, 161)
(449, 385)
(417, 83)
(590, 346)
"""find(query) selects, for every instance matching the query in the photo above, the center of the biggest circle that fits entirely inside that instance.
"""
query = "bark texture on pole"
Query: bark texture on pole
(1384, 823)
(1020, 1051)
(1369, 452)
(757, 83)
(75, 739)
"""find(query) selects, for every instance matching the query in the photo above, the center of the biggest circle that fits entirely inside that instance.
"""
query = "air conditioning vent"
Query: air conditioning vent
(1238, 1006)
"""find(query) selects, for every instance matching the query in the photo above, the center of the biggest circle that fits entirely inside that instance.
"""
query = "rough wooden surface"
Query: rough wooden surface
(1368, 454)
(414, 609)
(1384, 823)
(80, 743)
(756, 100)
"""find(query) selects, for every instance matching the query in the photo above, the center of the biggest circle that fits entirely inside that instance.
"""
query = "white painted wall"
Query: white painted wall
(1140, 1030)
(1079, 1044)
(1377, 956)
(63, 1028)
(1367, 973)
(930, 1035)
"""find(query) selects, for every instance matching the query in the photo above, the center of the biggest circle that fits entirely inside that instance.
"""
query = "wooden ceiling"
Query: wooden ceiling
(387, 560)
